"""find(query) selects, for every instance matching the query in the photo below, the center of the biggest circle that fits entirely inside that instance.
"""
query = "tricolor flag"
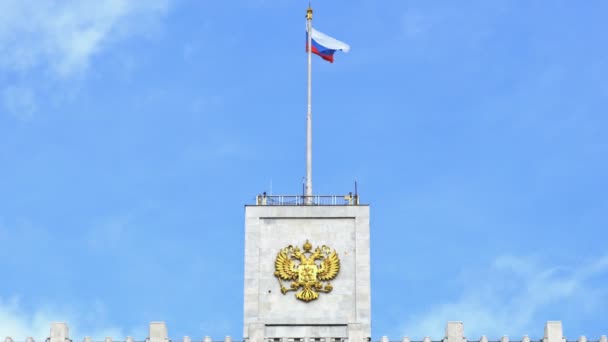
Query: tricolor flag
(325, 46)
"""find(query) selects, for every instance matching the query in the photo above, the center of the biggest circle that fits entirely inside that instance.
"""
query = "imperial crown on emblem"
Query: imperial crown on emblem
(308, 273)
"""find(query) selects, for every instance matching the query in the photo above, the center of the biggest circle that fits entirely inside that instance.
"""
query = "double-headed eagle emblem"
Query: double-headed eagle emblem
(309, 273)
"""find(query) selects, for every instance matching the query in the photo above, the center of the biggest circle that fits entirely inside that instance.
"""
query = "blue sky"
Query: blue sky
(133, 132)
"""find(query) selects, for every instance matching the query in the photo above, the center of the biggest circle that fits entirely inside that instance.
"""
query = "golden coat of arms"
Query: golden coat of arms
(308, 273)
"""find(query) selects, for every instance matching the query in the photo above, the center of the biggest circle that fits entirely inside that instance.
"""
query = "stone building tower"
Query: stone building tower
(277, 308)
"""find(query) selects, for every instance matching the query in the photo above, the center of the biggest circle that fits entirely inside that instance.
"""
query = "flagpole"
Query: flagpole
(308, 193)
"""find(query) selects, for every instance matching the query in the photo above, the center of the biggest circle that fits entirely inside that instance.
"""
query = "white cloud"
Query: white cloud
(64, 35)
(509, 295)
(46, 41)
(18, 324)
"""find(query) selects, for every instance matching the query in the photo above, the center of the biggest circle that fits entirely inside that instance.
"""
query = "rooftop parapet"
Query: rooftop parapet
(454, 332)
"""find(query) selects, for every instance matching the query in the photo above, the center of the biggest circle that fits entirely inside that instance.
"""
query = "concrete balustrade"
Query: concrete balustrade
(454, 332)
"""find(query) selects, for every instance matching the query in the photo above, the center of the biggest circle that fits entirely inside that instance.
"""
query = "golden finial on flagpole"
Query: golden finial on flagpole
(309, 12)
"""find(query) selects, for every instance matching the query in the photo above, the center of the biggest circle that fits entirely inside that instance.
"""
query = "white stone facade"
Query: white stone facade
(345, 312)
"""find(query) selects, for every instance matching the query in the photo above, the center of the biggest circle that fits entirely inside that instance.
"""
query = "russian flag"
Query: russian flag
(325, 46)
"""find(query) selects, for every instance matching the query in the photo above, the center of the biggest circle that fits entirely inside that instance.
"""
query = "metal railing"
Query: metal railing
(317, 200)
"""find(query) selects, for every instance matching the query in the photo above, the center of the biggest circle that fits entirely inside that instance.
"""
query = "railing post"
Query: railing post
(59, 332)
(454, 332)
(157, 332)
(553, 332)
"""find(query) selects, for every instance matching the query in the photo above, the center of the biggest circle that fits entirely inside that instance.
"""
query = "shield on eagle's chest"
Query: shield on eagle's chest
(307, 273)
